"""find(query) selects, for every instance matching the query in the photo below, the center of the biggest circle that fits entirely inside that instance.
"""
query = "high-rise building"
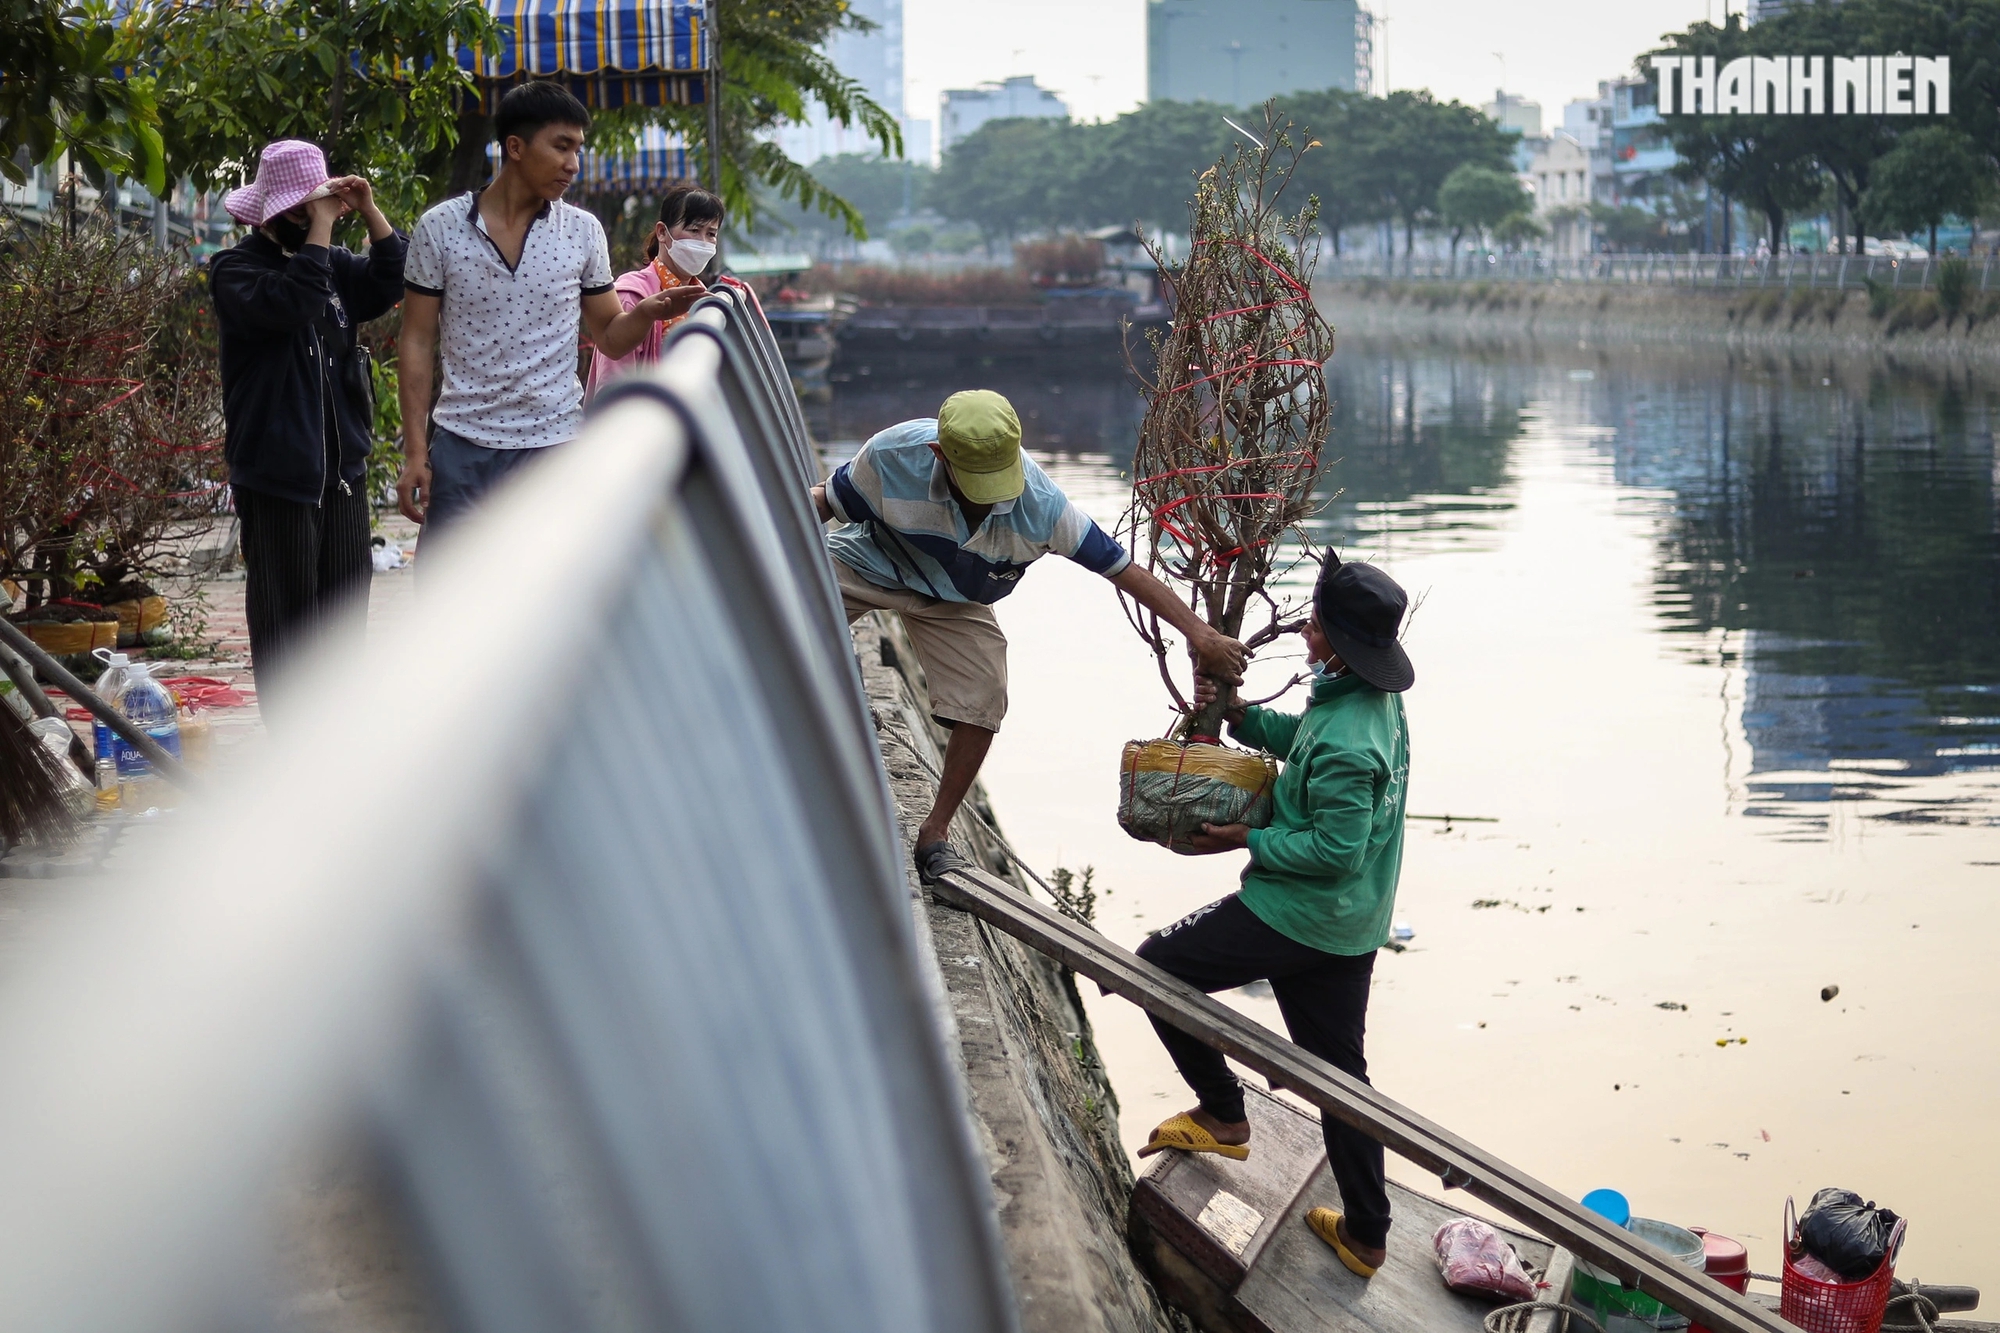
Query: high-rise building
(873, 59)
(1239, 52)
(1766, 9)
(963, 110)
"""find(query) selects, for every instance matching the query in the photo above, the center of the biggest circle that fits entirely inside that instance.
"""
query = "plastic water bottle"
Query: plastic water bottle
(105, 739)
(148, 704)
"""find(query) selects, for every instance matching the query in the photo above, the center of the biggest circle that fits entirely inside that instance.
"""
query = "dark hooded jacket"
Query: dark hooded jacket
(292, 369)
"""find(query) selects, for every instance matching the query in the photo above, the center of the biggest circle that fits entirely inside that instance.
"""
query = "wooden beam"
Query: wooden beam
(1458, 1163)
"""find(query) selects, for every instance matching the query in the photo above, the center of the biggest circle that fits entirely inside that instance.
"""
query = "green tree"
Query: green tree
(1931, 173)
(880, 189)
(1337, 170)
(1142, 166)
(61, 91)
(1012, 176)
(1765, 161)
(373, 82)
(1966, 30)
(1417, 142)
(1475, 198)
(1774, 162)
(1517, 229)
(1628, 226)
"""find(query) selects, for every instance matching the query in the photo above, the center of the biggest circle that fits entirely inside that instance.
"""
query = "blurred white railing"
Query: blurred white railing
(581, 891)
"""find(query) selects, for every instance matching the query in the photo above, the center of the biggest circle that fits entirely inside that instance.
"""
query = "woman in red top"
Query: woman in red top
(680, 250)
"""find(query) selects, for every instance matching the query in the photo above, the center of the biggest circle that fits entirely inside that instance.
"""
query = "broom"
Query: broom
(31, 789)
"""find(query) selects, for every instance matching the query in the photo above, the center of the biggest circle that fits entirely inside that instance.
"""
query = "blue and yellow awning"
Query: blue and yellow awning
(610, 53)
(661, 160)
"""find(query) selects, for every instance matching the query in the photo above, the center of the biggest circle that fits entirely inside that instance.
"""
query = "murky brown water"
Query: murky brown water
(1717, 646)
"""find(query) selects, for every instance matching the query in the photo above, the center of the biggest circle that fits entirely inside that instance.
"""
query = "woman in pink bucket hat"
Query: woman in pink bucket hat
(298, 404)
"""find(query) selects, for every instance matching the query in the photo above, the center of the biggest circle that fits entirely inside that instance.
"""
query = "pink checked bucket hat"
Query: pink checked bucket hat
(290, 173)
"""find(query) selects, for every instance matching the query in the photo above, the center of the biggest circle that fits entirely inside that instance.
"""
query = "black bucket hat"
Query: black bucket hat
(1360, 609)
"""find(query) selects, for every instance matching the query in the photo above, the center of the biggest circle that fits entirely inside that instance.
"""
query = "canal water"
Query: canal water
(1710, 647)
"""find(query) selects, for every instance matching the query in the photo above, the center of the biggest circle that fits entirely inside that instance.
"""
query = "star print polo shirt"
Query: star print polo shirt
(509, 332)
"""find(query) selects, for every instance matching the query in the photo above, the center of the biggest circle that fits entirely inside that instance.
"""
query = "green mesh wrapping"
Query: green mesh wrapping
(1170, 808)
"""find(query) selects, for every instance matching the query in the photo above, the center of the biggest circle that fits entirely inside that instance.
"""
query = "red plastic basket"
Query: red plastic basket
(1836, 1307)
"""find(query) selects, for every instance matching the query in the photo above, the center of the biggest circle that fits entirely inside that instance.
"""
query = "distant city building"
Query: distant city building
(1768, 9)
(1515, 112)
(963, 110)
(1563, 174)
(1641, 154)
(874, 60)
(1588, 119)
(1239, 52)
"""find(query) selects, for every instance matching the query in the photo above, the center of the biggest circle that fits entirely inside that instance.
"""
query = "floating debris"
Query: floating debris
(1828, 992)
(1670, 1004)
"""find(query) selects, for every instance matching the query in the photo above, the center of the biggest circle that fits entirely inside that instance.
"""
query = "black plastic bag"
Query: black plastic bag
(1846, 1234)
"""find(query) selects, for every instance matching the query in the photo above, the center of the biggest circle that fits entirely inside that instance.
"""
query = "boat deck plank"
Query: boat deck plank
(1230, 1242)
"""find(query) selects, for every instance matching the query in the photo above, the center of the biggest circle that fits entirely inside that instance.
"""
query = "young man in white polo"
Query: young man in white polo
(502, 277)
(944, 517)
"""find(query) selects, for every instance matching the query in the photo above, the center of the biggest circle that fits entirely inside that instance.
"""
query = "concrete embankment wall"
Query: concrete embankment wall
(1908, 324)
(1042, 1107)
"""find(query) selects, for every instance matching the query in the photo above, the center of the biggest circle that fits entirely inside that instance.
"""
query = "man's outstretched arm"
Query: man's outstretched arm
(1217, 654)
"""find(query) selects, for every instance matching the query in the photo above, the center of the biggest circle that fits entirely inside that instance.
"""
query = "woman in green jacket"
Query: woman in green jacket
(1317, 893)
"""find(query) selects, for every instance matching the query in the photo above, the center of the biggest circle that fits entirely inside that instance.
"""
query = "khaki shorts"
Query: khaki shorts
(963, 652)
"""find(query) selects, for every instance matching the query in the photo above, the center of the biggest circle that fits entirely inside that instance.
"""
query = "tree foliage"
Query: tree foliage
(1416, 141)
(1475, 198)
(1778, 164)
(1931, 173)
(1365, 159)
(373, 82)
(1344, 171)
(880, 189)
(61, 90)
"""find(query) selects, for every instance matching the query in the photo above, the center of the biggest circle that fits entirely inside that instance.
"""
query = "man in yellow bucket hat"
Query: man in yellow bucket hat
(942, 517)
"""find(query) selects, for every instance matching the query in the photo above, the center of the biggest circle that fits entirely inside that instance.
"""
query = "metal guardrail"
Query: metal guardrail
(1835, 272)
(619, 971)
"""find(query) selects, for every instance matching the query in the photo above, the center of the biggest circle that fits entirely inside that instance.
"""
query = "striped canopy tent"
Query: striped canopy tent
(610, 53)
(660, 160)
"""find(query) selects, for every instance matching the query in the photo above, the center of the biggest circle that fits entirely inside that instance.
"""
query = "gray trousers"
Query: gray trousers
(462, 472)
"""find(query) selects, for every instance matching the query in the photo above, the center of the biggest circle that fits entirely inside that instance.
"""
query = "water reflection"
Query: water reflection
(1827, 534)
(1834, 530)
(1420, 450)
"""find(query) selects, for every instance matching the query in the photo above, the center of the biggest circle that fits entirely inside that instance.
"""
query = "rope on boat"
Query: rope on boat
(1921, 1306)
(1495, 1321)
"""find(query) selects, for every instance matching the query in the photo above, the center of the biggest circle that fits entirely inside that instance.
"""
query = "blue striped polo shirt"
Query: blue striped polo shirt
(905, 531)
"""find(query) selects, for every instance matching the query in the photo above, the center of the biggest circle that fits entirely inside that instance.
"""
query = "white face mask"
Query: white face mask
(691, 256)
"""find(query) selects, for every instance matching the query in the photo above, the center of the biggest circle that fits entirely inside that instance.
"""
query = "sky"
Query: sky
(1093, 52)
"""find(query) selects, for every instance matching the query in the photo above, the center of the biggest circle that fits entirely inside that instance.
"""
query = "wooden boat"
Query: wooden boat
(1227, 1243)
(808, 335)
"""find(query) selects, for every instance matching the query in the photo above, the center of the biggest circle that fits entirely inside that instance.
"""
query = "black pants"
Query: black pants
(307, 567)
(1324, 1000)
